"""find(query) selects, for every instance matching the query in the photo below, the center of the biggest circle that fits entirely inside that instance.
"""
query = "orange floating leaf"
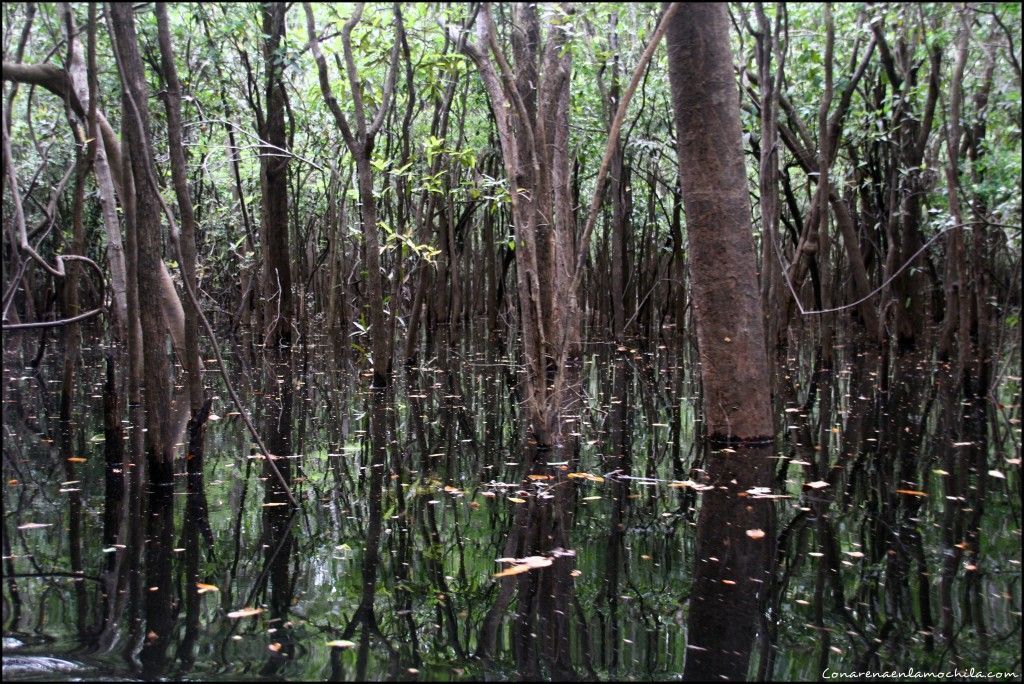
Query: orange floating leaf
(514, 570)
(910, 492)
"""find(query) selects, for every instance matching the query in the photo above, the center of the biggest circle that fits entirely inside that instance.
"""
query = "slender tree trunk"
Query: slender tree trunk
(277, 279)
(147, 224)
(187, 239)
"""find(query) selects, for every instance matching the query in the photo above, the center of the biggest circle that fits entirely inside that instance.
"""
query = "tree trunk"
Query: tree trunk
(187, 239)
(277, 279)
(725, 296)
(159, 450)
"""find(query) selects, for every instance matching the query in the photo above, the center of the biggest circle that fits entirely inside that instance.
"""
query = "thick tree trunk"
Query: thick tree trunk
(725, 296)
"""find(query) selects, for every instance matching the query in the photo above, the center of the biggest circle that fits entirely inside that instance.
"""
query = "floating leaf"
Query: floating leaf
(34, 526)
(275, 647)
(244, 613)
(586, 476)
(77, 459)
(537, 561)
(591, 498)
(539, 477)
(755, 534)
(514, 570)
(910, 492)
(517, 500)
(996, 474)
(341, 643)
(820, 484)
(206, 588)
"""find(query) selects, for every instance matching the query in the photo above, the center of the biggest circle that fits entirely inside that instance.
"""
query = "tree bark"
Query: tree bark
(159, 451)
(187, 239)
(730, 335)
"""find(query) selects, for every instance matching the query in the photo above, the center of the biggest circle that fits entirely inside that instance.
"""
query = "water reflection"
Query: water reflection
(872, 534)
(161, 602)
(734, 558)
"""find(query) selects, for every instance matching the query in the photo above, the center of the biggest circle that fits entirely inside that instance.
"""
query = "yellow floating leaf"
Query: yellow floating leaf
(206, 588)
(515, 499)
(539, 477)
(244, 613)
(77, 459)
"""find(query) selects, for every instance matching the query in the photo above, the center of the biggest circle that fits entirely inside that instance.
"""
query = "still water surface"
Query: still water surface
(885, 541)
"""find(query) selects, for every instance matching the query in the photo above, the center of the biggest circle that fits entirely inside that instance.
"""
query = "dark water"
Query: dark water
(887, 541)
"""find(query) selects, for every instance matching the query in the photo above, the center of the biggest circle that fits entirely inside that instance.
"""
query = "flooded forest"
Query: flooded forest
(511, 341)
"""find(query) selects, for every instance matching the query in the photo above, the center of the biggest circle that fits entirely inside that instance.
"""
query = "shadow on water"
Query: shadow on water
(881, 531)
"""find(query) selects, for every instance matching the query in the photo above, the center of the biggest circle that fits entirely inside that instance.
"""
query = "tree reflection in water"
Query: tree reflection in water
(656, 568)
(733, 564)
